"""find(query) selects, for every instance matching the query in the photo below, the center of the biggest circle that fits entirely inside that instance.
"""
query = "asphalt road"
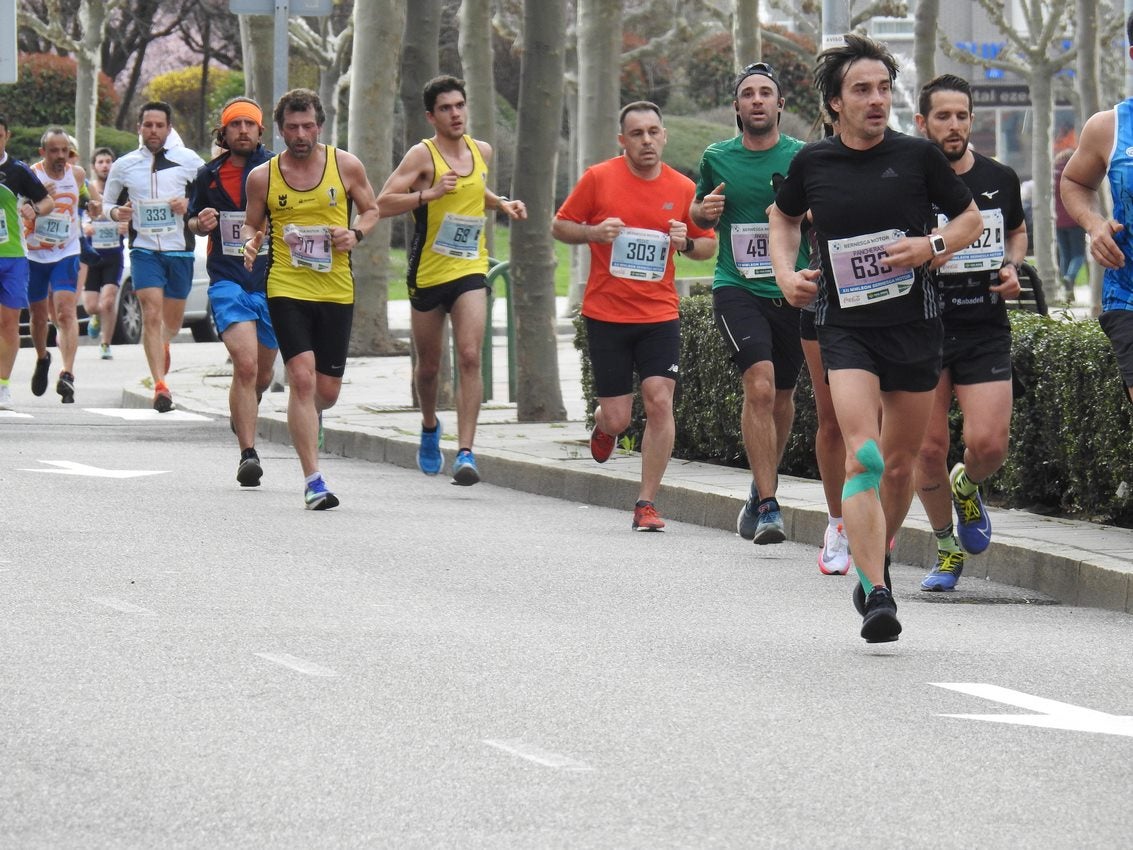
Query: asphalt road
(185, 663)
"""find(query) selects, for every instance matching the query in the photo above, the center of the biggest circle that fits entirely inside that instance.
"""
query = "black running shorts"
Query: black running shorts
(316, 326)
(617, 348)
(1118, 326)
(758, 329)
(906, 358)
(979, 357)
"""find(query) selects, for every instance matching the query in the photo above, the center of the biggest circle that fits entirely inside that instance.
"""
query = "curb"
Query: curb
(1070, 575)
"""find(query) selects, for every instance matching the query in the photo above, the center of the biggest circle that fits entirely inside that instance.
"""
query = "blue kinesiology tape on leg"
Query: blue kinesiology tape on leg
(869, 456)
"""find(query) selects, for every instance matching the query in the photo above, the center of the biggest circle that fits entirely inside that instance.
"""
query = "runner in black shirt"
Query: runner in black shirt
(870, 191)
(977, 337)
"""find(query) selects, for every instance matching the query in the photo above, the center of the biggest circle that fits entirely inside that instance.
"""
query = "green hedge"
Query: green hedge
(1070, 430)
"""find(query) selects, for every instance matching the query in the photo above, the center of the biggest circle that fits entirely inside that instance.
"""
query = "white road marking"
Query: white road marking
(145, 414)
(12, 414)
(300, 665)
(530, 752)
(69, 467)
(122, 605)
(1051, 713)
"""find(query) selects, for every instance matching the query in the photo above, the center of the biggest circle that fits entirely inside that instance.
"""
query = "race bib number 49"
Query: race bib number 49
(862, 275)
(639, 254)
(750, 249)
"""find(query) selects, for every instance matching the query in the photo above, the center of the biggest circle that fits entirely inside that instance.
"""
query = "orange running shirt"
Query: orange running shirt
(610, 190)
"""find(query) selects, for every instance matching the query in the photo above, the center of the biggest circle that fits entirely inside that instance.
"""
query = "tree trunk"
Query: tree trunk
(533, 256)
(328, 94)
(377, 32)
(92, 19)
(599, 55)
(420, 57)
(1042, 141)
(924, 42)
(202, 128)
(257, 44)
(747, 35)
(476, 57)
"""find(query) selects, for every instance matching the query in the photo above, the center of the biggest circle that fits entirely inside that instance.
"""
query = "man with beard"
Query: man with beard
(238, 297)
(977, 337)
(871, 192)
(759, 328)
(443, 182)
(53, 255)
(305, 196)
(633, 212)
(149, 188)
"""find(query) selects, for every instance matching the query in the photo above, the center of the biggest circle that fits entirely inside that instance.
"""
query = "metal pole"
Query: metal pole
(836, 21)
(1128, 64)
(279, 75)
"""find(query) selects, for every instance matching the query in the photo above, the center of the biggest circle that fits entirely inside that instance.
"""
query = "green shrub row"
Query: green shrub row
(1070, 430)
(24, 143)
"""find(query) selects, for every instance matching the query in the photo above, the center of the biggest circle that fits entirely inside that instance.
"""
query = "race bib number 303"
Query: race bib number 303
(639, 254)
(862, 275)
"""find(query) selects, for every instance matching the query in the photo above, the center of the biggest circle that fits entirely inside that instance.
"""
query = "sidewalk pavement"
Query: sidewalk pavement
(1077, 563)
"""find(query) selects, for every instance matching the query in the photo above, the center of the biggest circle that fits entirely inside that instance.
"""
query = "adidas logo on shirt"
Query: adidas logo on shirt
(889, 172)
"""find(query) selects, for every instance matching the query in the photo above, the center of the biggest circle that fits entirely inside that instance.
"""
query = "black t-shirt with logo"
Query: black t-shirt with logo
(968, 303)
(862, 201)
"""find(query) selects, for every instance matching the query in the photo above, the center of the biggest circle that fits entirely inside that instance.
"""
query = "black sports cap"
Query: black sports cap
(763, 69)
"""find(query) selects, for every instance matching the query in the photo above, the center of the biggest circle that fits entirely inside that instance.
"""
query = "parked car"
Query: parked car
(128, 330)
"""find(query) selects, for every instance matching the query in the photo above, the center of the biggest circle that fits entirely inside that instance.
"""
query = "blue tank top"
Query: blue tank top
(1117, 285)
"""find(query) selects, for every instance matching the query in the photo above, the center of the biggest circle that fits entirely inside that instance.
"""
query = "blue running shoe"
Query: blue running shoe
(973, 525)
(464, 471)
(748, 517)
(769, 525)
(429, 457)
(318, 498)
(944, 576)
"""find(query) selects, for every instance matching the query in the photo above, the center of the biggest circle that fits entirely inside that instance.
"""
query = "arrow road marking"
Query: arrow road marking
(69, 467)
(145, 414)
(1051, 714)
(517, 747)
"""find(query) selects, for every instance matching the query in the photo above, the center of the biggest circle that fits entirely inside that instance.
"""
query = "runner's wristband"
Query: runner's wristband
(357, 233)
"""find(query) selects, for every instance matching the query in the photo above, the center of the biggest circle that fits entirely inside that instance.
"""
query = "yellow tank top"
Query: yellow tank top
(303, 264)
(448, 239)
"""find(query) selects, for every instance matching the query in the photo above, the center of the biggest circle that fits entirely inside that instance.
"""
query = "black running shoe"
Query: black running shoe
(859, 591)
(39, 376)
(880, 624)
(66, 387)
(250, 472)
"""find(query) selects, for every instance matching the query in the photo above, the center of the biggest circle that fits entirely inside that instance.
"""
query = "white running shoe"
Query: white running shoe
(5, 397)
(834, 556)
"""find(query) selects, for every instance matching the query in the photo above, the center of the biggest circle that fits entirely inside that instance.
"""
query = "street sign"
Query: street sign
(9, 55)
(1006, 95)
(302, 8)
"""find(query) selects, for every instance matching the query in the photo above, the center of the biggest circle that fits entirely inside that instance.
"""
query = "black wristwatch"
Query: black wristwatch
(357, 233)
(689, 245)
